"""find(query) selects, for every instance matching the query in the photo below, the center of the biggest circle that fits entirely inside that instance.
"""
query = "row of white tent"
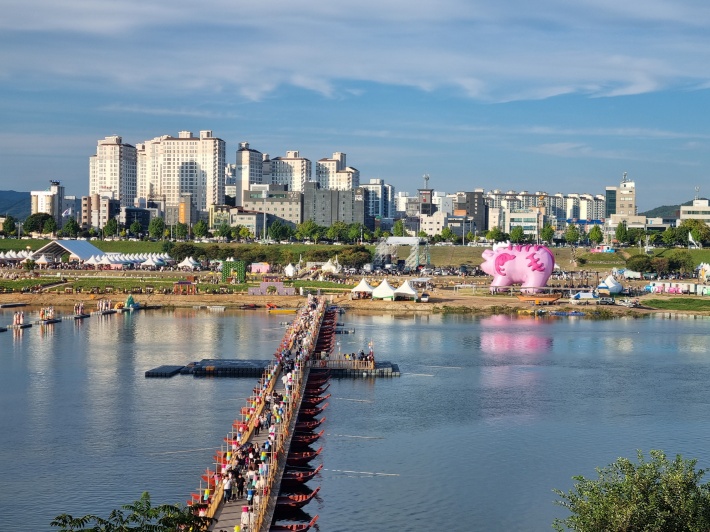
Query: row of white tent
(15, 255)
(385, 290)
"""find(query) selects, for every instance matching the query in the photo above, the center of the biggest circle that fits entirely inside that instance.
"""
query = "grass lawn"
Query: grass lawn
(679, 303)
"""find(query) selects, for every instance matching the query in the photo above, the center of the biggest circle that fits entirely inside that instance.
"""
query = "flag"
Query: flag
(66, 213)
(692, 240)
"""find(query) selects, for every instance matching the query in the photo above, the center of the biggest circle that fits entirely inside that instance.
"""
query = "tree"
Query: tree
(621, 233)
(547, 234)
(651, 495)
(308, 230)
(595, 235)
(200, 229)
(517, 234)
(181, 231)
(572, 234)
(635, 235)
(447, 234)
(111, 227)
(398, 228)
(681, 260)
(10, 226)
(639, 263)
(156, 227)
(338, 231)
(136, 228)
(660, 265)
(422, 234)
(35, 222)
(71, 228)
(698, 228)
(279, 231)
(143, 516)
(50, 226)
(225, 231)
(496, 235)
(669, 237)
(244, 233)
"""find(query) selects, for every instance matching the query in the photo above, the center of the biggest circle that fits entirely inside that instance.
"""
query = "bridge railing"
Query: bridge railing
(343, 364)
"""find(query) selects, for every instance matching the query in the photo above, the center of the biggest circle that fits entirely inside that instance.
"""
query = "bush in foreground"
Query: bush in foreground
(656, 495)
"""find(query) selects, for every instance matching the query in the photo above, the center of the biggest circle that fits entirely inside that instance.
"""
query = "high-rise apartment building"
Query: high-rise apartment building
(250, 170)
(380, 199)
(293, 171)
(169, 167)
(334, 174)
(325, 207)
(113, 170)
(49, 201)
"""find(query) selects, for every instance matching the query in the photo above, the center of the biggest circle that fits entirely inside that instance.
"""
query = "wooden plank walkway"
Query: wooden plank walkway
(230, 514)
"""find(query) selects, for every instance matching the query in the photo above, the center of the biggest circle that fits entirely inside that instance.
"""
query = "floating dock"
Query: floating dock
(13, 305)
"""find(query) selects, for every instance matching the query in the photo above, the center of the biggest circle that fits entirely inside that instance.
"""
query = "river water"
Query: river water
(489, 416)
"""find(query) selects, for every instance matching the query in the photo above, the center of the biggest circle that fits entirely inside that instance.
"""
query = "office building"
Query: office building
(49, 201)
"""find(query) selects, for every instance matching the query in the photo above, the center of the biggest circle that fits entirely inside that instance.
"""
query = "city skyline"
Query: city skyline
(476, 95)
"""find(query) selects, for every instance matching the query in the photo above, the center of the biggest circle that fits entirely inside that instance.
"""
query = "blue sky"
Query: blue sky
(553, 95)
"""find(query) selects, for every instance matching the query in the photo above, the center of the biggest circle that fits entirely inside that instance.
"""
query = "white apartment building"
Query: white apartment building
(169, 167)
(293, 171)
(334, 174)
(699, 210)
(380, 200)
(250, 170)
(49, 201)
(113, 169)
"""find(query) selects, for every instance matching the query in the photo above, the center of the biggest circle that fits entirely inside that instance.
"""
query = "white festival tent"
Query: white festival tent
(383, 291)
(290, 270)
(406, 292)
(363, 286)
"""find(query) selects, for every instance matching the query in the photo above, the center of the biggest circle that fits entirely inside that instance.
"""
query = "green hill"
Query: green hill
(666, 211)
(16, 204)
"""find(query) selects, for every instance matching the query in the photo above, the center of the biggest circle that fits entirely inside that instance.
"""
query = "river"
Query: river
(489, 416)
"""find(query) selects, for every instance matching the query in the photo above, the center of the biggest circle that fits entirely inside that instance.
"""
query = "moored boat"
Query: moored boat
(296, 459)
(296, 527)
(295, 501)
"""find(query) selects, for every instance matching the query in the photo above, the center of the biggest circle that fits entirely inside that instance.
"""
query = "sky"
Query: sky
(551, 96)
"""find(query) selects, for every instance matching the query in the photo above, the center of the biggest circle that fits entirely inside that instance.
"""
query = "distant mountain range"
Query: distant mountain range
(16, 204)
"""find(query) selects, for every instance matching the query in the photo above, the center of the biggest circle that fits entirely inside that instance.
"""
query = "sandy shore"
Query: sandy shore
(439, 299)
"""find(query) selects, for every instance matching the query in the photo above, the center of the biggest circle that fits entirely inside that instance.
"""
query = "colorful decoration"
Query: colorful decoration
(527, 265)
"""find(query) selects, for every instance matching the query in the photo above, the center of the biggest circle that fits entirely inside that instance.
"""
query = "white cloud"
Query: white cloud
(490, 51)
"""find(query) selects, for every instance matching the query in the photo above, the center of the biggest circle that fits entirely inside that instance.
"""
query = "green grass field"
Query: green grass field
(680, 303)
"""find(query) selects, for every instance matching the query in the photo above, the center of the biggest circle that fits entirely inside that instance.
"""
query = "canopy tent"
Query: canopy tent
(189, 262)
(383, 291)
(406, 292)
(79, 250)
(290, 270)
(332, 267)
(42, 261)
(362, 290)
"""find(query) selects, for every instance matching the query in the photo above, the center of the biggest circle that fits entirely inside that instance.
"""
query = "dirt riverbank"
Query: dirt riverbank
(454, 301)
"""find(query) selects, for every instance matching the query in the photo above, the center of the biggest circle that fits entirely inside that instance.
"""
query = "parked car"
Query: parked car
(606, 301)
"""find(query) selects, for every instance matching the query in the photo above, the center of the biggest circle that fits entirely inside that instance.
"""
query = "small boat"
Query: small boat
(296, 527)
(299, 477)
(283, 310)
(308, 425)
(311, 401)
(311, 412)
(296, 459)
(314, 392)
(295, 501)
(271, 306)
(248, 306)
(307, 438)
